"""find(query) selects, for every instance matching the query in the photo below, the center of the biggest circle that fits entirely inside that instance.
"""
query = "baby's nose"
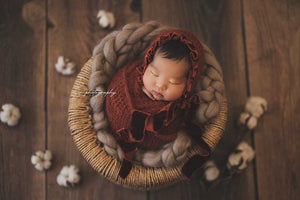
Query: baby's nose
(161, 85)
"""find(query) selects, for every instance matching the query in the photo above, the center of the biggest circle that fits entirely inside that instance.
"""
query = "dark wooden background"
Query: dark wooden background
(256, 41)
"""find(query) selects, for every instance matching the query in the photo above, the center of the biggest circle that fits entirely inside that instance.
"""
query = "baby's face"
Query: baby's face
(165, 79)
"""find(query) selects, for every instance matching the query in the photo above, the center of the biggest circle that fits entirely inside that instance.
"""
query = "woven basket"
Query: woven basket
(140, 177)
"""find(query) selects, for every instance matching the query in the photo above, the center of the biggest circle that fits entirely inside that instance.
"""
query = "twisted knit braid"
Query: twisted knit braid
(125, 46)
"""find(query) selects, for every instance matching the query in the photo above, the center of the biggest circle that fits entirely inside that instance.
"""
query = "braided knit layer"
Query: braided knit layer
(124, 46)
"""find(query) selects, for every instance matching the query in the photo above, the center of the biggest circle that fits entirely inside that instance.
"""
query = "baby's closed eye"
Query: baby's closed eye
(154, 73)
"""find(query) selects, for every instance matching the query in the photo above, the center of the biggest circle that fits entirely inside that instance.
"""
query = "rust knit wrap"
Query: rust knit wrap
(141, 123)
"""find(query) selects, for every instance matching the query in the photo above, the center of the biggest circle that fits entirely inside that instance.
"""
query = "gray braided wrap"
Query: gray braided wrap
(129, 44)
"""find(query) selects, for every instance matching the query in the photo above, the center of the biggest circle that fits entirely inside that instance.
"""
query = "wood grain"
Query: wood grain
(218, 24)
(273, 44)
(22, 70)
(74, 34)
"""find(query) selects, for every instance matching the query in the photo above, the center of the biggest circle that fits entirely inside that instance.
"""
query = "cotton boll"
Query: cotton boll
(60, 63)
(239, 159)
(106, 19)
(235, 159)
(256, 106)
(65, 66)
(68, 176)
(70, 69)
(247, 151)
(10, 114)
(248, 120)
(211, 172)
(41, 160)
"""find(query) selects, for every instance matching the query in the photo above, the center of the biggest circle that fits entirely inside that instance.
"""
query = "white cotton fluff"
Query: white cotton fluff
(65, 66)
(248, 120)
(106, 19)
(256, 106)
(68, 176)
(41, 160)
(243, 155)
(211, 172)
(10, 114)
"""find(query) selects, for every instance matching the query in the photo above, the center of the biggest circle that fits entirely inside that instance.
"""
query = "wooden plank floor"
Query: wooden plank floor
(256, 42)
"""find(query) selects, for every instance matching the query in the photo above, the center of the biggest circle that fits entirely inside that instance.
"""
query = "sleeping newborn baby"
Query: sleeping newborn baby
(155, 98)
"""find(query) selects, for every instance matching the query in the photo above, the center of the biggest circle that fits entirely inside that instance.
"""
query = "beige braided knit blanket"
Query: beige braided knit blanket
(129, 44)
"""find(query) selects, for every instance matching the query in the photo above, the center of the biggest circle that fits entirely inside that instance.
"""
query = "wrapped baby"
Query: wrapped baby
(155, 97)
